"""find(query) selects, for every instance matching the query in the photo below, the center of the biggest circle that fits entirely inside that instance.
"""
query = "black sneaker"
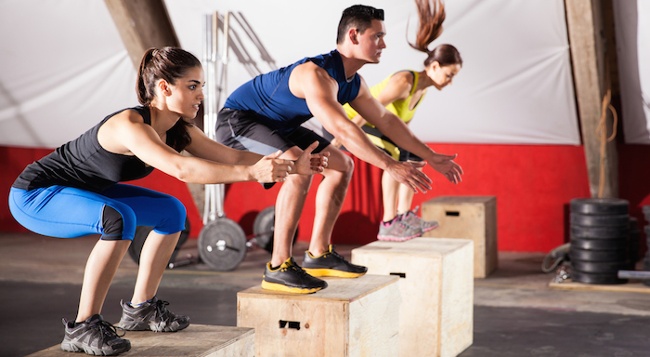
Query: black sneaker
(94, 336)
(291, 278)
(332, 264)
(151, 315)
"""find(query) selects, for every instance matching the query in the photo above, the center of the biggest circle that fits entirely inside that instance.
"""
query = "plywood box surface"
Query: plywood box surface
(437, 289)
(351, 317)
(467, 217)
(194, 341)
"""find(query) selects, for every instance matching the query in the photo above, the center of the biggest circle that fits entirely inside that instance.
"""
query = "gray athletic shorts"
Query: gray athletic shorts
(243, 130)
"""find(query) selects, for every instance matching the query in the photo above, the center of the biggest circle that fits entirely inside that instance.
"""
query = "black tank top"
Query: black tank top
(84, 164)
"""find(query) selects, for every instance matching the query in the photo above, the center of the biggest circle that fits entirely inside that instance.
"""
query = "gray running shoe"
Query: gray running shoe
(412, 219)
(397, 230)
(94, 336)
(151, 315)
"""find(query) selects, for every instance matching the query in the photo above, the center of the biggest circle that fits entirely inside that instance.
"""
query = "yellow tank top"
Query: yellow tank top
(399, 107)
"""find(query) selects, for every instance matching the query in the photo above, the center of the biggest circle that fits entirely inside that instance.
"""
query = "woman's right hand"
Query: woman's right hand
(271, 168)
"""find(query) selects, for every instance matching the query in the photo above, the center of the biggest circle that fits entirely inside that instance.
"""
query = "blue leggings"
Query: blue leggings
(67, 212)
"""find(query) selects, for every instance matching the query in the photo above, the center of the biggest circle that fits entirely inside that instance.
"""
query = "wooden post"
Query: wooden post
(143, 24)
(590, 74)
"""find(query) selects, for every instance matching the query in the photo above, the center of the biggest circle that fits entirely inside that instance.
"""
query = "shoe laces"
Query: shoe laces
(291, 265)
(109, 330)
(161, 308)
(297, 269)
(332, 252)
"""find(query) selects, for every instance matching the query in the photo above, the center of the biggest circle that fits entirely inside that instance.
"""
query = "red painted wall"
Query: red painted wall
(533, 185)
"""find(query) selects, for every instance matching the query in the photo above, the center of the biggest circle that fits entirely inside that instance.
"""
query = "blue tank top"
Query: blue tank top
(84, 164)
(268, 94)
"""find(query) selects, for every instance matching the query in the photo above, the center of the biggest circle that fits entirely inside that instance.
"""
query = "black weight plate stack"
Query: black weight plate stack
(600, 242)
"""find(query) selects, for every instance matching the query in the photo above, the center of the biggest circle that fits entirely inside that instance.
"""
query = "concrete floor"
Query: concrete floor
(516, 313)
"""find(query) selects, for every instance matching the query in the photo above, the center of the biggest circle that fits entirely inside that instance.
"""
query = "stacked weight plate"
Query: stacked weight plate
(599, 240)
(646, 260)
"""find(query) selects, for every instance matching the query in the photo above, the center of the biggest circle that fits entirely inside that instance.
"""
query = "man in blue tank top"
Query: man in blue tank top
(266, 113)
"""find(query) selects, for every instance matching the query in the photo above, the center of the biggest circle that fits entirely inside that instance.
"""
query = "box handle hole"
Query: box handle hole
(290, 324)
(452, 213)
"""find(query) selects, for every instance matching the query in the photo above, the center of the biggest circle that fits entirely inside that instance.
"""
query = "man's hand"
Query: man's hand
(445, 165)
(409, 174)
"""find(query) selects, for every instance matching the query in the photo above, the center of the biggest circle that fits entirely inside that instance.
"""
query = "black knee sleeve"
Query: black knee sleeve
(112, 223)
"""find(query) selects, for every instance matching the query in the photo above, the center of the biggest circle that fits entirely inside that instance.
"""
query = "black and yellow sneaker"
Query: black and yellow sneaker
(331, 264)
(291, 278)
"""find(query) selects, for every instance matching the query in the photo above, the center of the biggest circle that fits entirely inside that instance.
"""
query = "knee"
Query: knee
(345, 173)
(173, 215)
(300, 183)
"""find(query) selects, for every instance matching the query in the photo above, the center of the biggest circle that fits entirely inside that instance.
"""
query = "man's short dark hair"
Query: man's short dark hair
(359, 17)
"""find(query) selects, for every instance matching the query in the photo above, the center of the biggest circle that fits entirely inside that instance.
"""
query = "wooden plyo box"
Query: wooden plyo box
(194, 341)
(351, 317)
(469, 217)
(437, 288)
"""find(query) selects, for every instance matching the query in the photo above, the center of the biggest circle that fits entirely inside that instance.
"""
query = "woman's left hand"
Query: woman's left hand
(308, 163)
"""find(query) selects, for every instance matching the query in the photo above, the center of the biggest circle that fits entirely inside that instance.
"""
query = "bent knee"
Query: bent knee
(172, 216)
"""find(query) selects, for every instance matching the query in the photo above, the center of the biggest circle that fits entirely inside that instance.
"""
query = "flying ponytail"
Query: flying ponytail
(431, 15)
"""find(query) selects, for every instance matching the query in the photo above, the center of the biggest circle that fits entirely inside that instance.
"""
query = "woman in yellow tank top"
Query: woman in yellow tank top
(401, 93)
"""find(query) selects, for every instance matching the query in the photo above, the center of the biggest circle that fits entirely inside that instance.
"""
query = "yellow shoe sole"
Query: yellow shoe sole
(288, 289)
(332, 272)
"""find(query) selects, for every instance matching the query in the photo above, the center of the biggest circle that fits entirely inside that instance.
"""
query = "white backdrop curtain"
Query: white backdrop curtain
(63, 66)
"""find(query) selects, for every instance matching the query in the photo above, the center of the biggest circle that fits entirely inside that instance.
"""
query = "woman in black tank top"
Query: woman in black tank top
(76, 191)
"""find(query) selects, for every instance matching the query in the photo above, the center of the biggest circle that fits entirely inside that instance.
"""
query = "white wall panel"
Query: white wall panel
(63, 67)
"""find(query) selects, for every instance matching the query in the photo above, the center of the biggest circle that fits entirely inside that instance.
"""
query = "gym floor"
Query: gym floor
(516, 311)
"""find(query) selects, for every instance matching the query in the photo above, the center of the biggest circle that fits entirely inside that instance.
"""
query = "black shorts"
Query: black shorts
(243, 130)
(385, 143)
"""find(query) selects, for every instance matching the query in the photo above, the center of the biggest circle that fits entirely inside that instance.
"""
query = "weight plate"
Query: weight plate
(599, 206)
(599, 267)
(263, 229)
(587, 278)
(614, 220)
(619, 232)
(222, 244)
(141, 234)
(598, 244)
(584, 255)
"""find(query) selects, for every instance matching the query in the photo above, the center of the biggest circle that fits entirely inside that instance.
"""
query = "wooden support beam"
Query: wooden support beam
(591, 80)
(143, 24)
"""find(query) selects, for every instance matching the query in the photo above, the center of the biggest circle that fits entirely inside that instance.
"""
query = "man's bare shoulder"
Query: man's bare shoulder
(308, 69)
